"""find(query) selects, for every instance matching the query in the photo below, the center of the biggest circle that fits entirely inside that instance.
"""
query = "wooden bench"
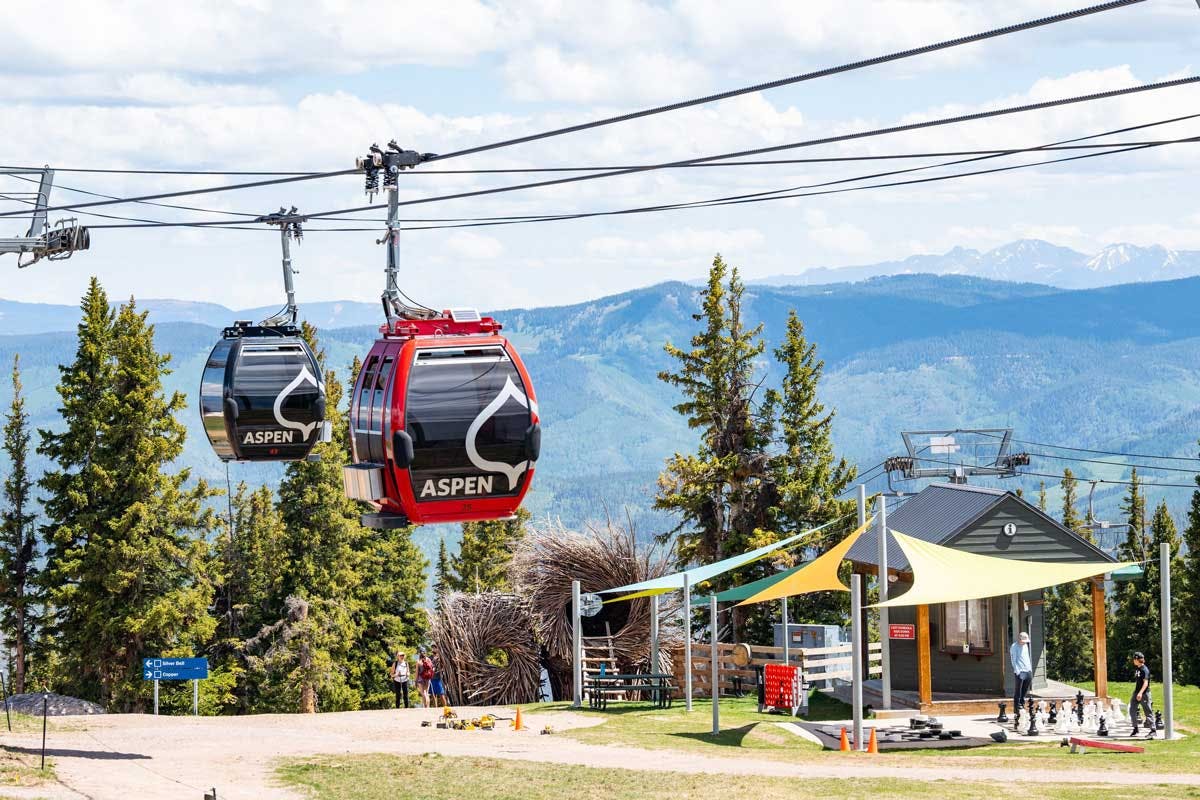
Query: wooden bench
(659, 685)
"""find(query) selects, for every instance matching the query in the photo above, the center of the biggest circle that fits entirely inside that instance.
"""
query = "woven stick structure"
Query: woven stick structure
(488, 652)
(552, 556)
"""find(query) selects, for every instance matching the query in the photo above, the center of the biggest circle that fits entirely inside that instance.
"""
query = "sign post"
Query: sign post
(885, 652)
(576, 646)
(176, 669)
(1164, 555)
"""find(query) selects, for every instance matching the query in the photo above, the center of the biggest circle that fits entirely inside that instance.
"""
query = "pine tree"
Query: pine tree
(1068, 609)
(1188, 625)
(442, 576)
(719, 492)
(486, 552)
(1130, 631)
(18, 539)
(1162, 531)
(765, 466)
(127, 565)
(360, 590)
(808, 476)
(76, 485)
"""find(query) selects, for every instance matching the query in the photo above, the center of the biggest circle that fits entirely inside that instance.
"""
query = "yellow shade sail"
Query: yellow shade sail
(943, 575)
(819, 576)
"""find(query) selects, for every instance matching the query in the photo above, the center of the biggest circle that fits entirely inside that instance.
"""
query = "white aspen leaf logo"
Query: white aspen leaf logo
(510, 471)
(305, 428)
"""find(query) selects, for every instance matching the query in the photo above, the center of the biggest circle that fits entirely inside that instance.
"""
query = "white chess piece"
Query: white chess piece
(1116, 711)
(1062, 724)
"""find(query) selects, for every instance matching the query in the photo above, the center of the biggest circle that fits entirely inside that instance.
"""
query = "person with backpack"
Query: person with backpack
(424, 676)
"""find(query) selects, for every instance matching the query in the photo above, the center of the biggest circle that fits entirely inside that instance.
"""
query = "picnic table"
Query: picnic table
(658, 685)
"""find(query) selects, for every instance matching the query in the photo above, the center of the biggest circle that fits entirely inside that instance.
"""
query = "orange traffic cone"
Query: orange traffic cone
(872, 744)
(845, 744)
(517, 722)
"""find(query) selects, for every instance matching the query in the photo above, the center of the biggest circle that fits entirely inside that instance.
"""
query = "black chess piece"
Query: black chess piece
(1079, 707)
(1003, 714)
(1033, 730)
(1158, 722)
(1053, 712)
(1103, 729)
(1017, 719)
(1030, 708)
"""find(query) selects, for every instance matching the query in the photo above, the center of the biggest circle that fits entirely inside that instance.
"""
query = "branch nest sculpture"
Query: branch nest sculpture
(488, 652)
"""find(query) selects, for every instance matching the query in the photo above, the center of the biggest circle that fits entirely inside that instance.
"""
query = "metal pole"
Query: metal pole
(289, 286)
(576, 645)
(7, 715)
(195, 698)
(156, 697)
(1164, 561)
(885, 651)
(654, 634)
(45, 711)
(786, 635)
(856, 681)
(712, 661)
(687, 640)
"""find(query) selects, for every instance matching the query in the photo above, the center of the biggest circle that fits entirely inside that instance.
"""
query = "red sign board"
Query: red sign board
(902, 631)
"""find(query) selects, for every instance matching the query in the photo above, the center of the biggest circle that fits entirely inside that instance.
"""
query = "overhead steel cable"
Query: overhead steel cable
(1069, 144)
(208, 190)
(828, 71)
(807, 76)
(712, 203)
(1124, 464)
(602, 168)
(905, 128)
(1101, 452)
(1079, 478)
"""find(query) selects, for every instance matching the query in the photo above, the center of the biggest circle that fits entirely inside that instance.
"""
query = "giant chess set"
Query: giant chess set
(1079, 717)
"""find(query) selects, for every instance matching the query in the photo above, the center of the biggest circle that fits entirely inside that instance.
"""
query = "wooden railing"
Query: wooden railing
(816, 664)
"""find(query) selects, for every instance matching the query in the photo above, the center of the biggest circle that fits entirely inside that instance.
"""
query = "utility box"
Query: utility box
(803, 636)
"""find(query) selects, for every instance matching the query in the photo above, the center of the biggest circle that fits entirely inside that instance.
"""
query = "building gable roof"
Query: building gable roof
(939, 513)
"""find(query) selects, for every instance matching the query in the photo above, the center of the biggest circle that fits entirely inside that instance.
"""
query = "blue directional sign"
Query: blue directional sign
(174, 669)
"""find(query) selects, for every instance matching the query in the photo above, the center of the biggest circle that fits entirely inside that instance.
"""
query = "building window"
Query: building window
(967, 627)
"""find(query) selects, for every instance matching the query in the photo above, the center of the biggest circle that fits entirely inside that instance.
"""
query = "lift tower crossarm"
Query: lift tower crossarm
(43, 241)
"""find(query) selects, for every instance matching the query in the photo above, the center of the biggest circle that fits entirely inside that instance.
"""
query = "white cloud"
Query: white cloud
(678, 243)
(151, 88)
(842, 238)
(474, 246)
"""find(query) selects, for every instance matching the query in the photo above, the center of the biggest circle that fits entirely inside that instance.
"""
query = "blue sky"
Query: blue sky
(258, 84)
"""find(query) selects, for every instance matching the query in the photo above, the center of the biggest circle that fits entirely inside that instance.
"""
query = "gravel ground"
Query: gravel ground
(57, 705)
(119, 756)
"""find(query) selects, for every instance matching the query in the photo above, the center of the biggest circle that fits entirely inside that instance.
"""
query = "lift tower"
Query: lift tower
(42, 240)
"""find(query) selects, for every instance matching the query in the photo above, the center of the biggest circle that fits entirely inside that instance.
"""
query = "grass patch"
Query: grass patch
(433, 777)
(743, 729)
(17, 769)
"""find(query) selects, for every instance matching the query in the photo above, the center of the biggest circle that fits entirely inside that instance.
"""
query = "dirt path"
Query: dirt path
(120, 757)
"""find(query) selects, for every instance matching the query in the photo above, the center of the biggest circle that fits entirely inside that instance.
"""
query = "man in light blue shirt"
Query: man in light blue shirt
(1022, 667)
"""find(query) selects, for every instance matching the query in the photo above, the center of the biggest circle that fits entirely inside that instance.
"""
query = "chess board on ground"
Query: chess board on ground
(896, 737)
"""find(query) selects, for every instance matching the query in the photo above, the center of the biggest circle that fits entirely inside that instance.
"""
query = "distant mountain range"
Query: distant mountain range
(1028, 260)
(1114, 368)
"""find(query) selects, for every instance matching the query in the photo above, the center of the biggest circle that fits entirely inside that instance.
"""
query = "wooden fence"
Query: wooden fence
(816, 664)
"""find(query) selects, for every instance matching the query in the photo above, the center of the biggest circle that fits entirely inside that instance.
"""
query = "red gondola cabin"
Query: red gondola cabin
(443, 422)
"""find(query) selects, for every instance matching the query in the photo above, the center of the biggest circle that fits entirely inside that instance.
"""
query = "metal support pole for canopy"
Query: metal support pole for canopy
(687, 640)
(576, 646)
(786, 635)
(654, 634)
(1164, 560)
(856, 681)
(712, 663)
(884, 634)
